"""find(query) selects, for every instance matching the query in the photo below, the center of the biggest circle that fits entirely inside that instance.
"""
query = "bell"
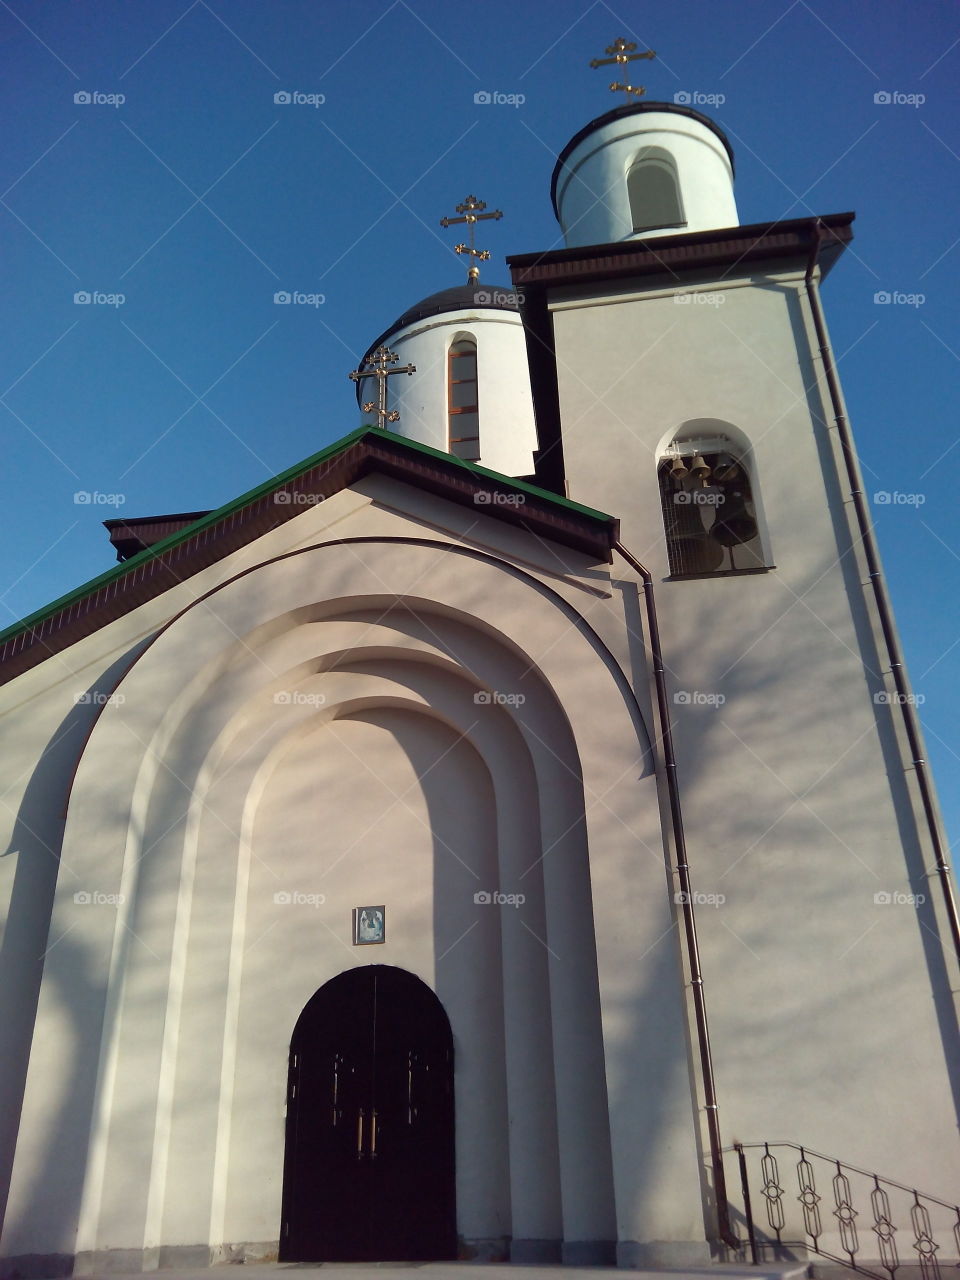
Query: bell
(689, 545)
(679, 470)
(734, 523)
(726, 470)
(699, 469)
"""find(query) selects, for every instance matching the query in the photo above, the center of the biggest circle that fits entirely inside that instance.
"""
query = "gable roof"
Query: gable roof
(215, 535)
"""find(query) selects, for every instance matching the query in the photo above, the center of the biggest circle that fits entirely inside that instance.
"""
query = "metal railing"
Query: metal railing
(839, 1212)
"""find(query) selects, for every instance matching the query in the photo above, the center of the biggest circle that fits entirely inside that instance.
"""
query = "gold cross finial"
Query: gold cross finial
(376, 366)
(623, 52)
(472, 211)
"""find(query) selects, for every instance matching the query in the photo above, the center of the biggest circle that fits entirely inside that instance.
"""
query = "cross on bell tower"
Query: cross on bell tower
(623, 52)
(376, 366)
(472, 214)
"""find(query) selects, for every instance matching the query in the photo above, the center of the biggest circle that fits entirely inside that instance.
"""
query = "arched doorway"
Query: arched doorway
(369, 1158)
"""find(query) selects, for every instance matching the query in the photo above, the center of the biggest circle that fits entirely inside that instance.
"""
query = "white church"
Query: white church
(481, 839)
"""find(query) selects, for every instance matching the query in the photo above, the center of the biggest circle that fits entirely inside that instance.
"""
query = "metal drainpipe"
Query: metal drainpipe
(910, 717)
(689, 918)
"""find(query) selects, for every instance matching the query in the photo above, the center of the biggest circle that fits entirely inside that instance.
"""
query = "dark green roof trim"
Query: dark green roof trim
(373, 436)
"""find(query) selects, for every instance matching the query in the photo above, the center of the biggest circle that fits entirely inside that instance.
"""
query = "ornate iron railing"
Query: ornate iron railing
(839, 1212)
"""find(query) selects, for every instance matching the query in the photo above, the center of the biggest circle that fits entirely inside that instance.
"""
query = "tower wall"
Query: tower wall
(829, 993)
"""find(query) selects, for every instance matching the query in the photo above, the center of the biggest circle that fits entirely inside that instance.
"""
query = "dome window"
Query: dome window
(654, 193)
(462, 404)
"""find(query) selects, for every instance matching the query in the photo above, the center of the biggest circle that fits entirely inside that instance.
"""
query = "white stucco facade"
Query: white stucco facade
(301, 719)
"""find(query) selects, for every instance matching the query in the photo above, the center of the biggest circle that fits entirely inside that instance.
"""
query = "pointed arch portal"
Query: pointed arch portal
(369, 1161)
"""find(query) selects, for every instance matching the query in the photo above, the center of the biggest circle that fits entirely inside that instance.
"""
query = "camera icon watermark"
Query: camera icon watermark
(493, 698)
(699, 498)
(93, 698)
(295, 298)
(494, 898)
(694, 98)
(697, 899)
(296, 898)
(899, 899)
(498, 298)
(884, 699)
(94, 498)
(94, 98)
(294, 97)
(95, 298)
(298, 698)
(894, 98)
(94, 898)
(700, 298)
(291, 498)
(697, 698)
(897, 298)
(888, 498)
(494, 98)
(490, 497)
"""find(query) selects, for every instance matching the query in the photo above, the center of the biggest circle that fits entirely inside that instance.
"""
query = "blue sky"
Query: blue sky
(198, 197)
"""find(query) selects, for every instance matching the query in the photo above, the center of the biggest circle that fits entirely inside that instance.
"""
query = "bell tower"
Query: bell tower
(683, 380)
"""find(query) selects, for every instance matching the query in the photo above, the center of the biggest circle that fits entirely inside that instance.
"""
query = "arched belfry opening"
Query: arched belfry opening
(710, 513)
(369, 1157)
(653, 191)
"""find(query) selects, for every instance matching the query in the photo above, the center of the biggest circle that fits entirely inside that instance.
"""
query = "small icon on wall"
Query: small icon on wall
(369, 925)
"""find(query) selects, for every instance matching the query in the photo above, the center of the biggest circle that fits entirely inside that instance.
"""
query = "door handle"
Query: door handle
(360, 1134)
(373, 1134)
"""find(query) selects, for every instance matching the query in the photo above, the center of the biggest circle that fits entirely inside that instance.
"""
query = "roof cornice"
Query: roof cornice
(213, 537)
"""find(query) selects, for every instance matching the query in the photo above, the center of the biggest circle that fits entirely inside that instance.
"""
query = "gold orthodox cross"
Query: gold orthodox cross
(623, 52)
(472, 210)
(376, 367)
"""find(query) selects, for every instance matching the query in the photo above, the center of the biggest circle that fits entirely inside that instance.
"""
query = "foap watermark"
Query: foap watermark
(494, 898)
(94, 98)
(899, 899)
(291, 498)
(94, 498)
(96, 298)
(701, 298)
(296, 898)
(897, 298)
(699, 498)
(492, 698)
(894, 98)
(498, 298)
(295, 98)
(490, 498)
(884, 699)
(94, 898)
(697, 698)
(297, 698)
(694, 98)
(294, 298)
(697, 899)
(494, 98)
(894, 498)
(93, 698)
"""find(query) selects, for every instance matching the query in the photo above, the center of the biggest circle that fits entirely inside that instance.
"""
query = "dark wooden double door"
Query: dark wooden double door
(369, 1158)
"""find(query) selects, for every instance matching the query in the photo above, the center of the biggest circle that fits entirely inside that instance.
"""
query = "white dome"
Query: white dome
(643, 170)
(487, 316)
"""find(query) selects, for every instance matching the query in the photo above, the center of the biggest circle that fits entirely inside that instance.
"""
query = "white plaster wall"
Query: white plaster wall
(831, 1015)
(592, 187)
(156, 1085)
(507, 430)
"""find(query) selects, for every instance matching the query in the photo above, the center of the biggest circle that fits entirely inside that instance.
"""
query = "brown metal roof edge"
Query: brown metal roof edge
(590, 534)
(685, 251)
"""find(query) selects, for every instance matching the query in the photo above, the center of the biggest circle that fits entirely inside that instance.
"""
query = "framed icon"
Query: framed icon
(369, 925)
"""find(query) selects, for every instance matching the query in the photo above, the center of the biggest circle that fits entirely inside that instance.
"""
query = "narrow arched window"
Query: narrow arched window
(462, 402)
(709, 514)
(654, 194)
